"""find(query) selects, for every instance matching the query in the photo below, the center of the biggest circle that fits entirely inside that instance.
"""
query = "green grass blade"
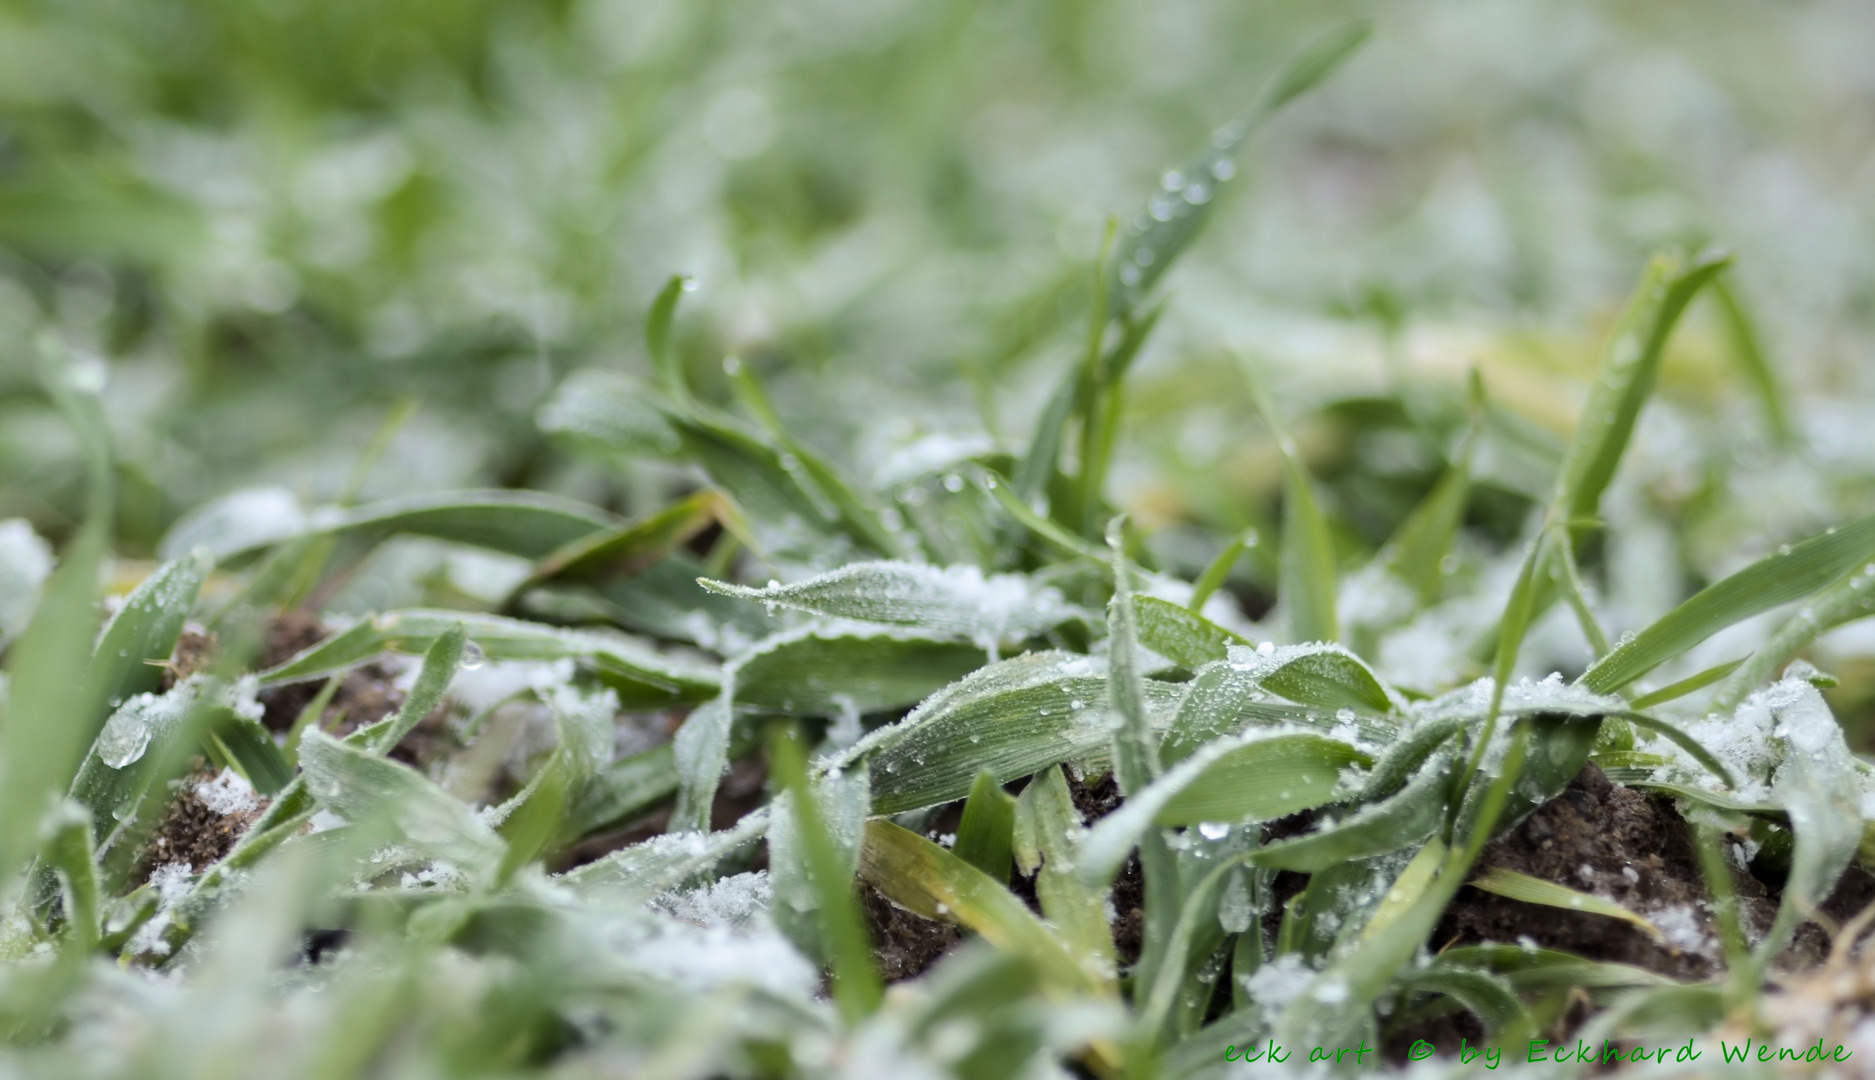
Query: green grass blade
(1515, 885)
(1306, 568)
(843, 799)
(987, 831)
(1100, 424)
(1176, 215)
(1690, 684)
(922, 877)
(1683, 741)
(142, 635)
(1629, 368)
(1402, 819)
(889, 669)
(40, 748)
(251, 748)
(1218, 572)
(1251, 778)
(1818, 786)
(957, 602)
(1135, 744)
(856, 984)
(1791, 573)
(1417, 550)
(68, 851)
(371, 792)
(701, 749)
(440, 662)
(1050, 832)
(1849, 599)
(624, 789)
(1181, 635)
(641, 676)
(1486, 996)
(629, 547)
(664, 363)
(1748, 348)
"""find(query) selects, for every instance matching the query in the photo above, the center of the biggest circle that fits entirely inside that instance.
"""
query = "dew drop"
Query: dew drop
(953, 483)
(1129, 274)
(1197, 193)
(472, 656)
(1223, 169)
(1213, 830)
(124, 739)
(1172, 180)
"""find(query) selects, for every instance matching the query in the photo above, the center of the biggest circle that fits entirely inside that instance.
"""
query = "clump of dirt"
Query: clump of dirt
(1615, 842)
(198, 827)
(1094, 800)
(903, 944)
(195, 647)
(367, 693)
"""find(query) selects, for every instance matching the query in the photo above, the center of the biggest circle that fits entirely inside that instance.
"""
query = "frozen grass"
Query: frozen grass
(503, 782)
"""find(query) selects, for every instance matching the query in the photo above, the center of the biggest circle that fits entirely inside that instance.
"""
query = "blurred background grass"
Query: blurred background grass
(276, 219)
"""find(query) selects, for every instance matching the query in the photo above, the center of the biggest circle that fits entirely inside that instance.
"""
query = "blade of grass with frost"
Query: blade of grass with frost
(1400, 820)
(1306, 571)
(1255, 777)
(1136, 757)
(1748, 348)
(1818, 787)
(623, 789)
(529, 828)
(440, 662)
(1218, 572)
(640, 675)
(1340, 999)
(1174, 217)
(987, 830)
(1688, 685)
(1538, 969)
(882, 669)
(856, 984)
(1181, 635)
(1849, 599)
(1793, 572)
(249, 746)
(373, 793)
(922, 877)
(1048, 839)
(39, 748)
(843, 799)
(607, 416)
(1681, 739)
(701, 749)
(954, 602)
(1012, 718)
(1515, 885)
(142, 634)
(635, 874)
(68, 851)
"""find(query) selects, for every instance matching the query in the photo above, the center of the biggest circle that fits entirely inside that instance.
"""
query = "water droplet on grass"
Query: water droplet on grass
(472, 656)
(124, 738)
(1213, 830)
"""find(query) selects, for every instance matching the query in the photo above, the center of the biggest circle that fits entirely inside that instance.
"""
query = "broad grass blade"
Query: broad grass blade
(987, 831)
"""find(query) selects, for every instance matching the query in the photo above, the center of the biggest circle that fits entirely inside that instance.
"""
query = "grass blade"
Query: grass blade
(1049, 835)
(701, 749)
(922, 877)
(1748, 348)
(1630, 365)
(1180, 634)
(1306, 565)
(1218, 572)
(664, 363)
(987, 831)
(855, 982)
(1791, 573)
(1849, 599)
(1688, 685)
(1515, 885)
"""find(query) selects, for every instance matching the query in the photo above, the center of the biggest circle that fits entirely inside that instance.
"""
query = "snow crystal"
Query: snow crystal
(739, 902)
(1279, 982)
(1679, 925)
(25, 563)
(228, 793)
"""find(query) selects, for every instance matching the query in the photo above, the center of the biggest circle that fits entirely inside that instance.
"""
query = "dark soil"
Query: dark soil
(904, 944)
(1614, 842)
(190, 832)
(194, 649)
(1096, 799)
(366, 694)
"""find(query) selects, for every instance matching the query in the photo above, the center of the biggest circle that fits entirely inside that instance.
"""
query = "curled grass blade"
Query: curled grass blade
(987, 831)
